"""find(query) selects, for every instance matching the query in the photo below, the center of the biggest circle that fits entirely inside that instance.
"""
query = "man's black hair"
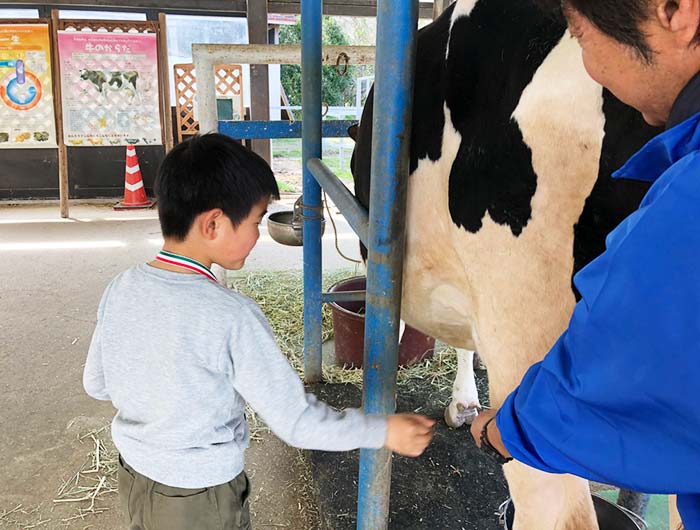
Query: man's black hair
(621, 20)
(207, 172)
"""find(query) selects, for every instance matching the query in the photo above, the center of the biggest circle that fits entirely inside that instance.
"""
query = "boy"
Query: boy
(179, 355)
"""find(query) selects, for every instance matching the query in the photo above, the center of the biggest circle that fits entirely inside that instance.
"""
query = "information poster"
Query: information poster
(26, 94)
(109, 87)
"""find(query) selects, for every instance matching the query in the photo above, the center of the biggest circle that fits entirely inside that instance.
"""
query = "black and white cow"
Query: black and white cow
(103, 81)
(509, 193)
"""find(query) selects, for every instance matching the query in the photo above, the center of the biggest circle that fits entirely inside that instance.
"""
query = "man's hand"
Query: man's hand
(494, 435)
(408, 434)
(478, 424)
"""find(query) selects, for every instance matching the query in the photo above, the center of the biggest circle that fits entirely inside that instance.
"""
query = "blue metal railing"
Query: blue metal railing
(397, 21)
(382, 230)
(355, 214)
(280, 129)
(311, 14)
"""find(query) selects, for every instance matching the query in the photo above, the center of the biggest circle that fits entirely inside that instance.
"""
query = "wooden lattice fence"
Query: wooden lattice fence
(111, 26)
(229, 86)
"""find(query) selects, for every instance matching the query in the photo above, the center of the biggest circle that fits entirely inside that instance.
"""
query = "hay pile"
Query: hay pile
(23, 518)
(96, 478)
(281, 297)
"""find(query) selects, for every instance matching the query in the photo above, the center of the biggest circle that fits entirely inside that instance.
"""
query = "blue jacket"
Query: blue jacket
(617, 399)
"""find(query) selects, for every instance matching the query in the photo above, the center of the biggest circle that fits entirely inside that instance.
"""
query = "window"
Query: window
(185, 30)
(100, 15)
(19, 13)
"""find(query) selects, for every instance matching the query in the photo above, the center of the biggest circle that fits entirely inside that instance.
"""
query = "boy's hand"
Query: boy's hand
(408, 434)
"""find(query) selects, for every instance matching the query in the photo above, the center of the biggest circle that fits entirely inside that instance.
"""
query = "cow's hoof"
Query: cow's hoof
(457, 414)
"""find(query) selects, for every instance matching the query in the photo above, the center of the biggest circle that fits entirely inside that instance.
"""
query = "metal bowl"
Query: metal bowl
(284, 228)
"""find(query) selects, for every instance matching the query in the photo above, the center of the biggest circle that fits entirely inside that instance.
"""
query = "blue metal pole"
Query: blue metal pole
(311, 54)
(354, 212)
(393, 95)
(280, 129)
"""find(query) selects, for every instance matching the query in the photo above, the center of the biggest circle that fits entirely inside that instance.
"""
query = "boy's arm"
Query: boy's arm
(265, 379)
(93, 374)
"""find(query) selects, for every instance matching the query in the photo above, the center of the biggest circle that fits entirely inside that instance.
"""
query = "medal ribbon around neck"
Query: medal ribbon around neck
(186, 263)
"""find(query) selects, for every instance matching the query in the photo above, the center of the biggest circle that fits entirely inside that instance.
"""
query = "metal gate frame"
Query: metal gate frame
(382, 230)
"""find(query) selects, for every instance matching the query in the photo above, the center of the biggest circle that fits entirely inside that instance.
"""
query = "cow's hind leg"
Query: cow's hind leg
(549, 502)
(674, 518)
(464, 406)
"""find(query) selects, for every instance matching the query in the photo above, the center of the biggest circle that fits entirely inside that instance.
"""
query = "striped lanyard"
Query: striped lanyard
(185, 263)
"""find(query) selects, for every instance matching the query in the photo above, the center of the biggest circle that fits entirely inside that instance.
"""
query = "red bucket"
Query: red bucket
(349, 331)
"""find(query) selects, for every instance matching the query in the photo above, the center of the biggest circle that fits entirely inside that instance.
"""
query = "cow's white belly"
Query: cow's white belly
(436, 296)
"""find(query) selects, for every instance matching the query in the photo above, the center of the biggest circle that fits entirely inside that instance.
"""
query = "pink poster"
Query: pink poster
(109, 88)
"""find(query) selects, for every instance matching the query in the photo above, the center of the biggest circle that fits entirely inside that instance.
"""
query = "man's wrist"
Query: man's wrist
(496, 450)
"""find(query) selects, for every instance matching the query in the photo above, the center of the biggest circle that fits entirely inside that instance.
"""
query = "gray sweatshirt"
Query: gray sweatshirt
(179, 356)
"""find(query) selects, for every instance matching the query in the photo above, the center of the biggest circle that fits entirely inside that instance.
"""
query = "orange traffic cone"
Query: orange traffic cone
(134, 192)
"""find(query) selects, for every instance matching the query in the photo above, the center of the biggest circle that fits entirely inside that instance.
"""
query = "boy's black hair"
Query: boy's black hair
(206, 172)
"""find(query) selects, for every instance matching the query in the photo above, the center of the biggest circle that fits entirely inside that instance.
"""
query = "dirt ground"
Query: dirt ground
(287, 171)
(452, 486)
(52, 274)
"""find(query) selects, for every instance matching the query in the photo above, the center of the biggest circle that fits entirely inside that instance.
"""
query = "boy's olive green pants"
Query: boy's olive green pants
(149, 505)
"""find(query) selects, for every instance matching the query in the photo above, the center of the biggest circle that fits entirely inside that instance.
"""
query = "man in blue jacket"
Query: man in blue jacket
(617, 399)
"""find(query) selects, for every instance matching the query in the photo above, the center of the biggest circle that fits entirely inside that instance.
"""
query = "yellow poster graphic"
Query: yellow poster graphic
(26, 93)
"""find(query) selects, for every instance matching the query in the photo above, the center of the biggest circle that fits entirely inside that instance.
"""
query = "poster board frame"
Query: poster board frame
(110, 26)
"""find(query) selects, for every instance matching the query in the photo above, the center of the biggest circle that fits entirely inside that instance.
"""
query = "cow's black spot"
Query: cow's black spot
(494, 53)
(483, 180)
(428, 120)
(429, 92)
(611, 200)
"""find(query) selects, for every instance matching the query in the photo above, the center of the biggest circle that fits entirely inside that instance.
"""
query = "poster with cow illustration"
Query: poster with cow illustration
(26, 93)
(109, 88)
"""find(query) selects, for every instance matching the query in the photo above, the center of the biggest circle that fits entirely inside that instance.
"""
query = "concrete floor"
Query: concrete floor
(52, 274)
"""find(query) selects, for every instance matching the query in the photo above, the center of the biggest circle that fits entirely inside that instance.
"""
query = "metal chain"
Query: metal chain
(346, 64)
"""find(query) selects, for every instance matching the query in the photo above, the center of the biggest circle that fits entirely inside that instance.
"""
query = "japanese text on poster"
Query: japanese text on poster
(109, 85)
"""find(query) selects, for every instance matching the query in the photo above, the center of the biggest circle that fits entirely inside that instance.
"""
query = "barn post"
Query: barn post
(164, 72)
(259, 78)
(397, 22)
(311, 60)
(63, 188)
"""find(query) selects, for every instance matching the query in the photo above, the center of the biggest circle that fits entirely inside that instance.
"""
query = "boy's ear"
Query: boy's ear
(208, 223)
